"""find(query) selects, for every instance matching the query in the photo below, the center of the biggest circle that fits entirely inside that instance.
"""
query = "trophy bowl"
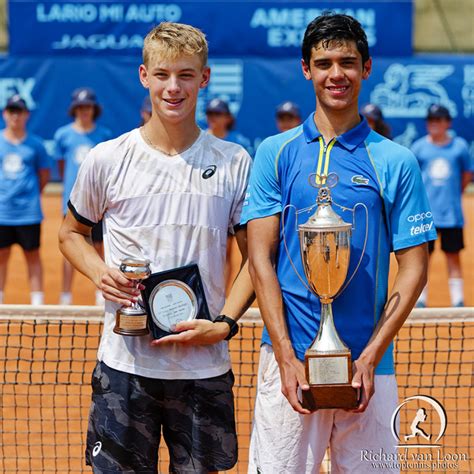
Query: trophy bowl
(325, 241)
(132, 320)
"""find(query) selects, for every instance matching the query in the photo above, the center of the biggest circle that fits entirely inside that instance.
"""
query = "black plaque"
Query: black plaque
(174, 295)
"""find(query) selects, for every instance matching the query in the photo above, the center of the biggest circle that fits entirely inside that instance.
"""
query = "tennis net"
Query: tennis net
(47, 355)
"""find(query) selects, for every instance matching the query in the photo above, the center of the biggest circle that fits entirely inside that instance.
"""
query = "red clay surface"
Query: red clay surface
(17, 290)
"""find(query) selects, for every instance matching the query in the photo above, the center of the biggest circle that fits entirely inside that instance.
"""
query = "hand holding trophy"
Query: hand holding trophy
(325, 252)
(132, 320)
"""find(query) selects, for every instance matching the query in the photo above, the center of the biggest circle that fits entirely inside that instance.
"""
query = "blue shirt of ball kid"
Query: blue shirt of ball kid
(371, 170)
(20, 164)
(73, 146)
(442, 168)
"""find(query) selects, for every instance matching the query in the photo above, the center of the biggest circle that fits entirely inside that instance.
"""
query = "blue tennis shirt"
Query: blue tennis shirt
(372, 170)
(20, 202)
(72, 147)
(442, 168)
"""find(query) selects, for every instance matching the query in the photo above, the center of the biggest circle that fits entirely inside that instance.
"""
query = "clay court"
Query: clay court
(16, 291)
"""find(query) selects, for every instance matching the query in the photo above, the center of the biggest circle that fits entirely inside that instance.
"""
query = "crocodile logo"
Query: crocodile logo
(359, 179)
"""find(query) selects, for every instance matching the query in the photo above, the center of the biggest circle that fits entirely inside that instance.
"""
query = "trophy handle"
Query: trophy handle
(361, 204)
(284, 239)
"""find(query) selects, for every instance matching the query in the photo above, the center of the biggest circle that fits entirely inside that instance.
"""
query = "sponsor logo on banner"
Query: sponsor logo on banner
(408, 91)
(227, 83)
(286, 26)
(408, 136)
(467, 91)
(90, 13)
(99, 42)
(17, 85)
(107, 12)
(418, 425)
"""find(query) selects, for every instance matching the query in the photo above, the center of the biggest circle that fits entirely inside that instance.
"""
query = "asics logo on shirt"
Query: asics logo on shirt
(359, 179)
(420, 217)
(207, 173)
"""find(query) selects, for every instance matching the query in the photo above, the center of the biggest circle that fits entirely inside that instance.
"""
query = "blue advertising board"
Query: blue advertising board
(402, 87)
(265, 28)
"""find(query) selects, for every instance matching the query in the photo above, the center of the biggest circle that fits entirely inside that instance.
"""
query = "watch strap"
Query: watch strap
(233, 325)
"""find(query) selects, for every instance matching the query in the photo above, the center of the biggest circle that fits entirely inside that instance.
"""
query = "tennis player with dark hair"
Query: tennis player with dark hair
(384, 176)
(170, 193)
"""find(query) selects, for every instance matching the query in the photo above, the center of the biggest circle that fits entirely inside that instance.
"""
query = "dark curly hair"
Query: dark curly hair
(334, 27)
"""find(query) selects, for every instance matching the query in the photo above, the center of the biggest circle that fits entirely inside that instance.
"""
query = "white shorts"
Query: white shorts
(285, 442)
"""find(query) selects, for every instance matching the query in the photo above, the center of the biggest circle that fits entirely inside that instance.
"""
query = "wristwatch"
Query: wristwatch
(234, 327)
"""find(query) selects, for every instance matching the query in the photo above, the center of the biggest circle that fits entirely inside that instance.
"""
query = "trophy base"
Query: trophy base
(329, 376)
(131, 324)
(330, 396)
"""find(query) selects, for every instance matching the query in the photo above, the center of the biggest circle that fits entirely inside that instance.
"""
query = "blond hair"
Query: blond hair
(171, 40)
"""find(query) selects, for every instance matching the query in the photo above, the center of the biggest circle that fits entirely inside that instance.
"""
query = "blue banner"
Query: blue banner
(234, 28)
(403, 88)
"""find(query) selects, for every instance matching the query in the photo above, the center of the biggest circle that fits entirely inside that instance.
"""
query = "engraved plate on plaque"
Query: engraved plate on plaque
(170, 302)
(328, 370)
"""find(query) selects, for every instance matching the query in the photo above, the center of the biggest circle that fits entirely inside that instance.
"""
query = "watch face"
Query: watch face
(170, 302)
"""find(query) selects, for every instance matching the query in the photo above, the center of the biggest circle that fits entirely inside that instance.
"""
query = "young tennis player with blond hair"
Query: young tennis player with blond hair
(170, 193)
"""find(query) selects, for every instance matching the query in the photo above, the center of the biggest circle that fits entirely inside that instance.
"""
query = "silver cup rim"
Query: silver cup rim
(135, 262)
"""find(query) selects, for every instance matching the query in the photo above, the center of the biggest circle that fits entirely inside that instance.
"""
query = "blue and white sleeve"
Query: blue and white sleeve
(410, 218)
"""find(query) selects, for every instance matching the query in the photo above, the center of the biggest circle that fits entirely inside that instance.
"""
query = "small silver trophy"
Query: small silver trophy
(132, 320)
(325, 244)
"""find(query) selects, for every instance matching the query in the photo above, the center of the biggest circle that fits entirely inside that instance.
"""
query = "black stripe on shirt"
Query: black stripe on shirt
(78, 217)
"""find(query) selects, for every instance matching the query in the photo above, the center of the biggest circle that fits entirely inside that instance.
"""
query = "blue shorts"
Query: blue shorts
(129, 412)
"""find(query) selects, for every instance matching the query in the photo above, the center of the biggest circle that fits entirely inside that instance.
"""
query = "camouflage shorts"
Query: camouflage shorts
(129, 412)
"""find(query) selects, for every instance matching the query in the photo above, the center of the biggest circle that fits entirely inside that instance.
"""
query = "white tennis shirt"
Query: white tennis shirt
(174, 211)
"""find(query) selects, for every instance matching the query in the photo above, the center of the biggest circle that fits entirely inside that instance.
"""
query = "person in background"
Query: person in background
(24, 172)
(375, 119)
(287, 116)
(72, 144)
(145, 110)
(221, 124)
(447, 170)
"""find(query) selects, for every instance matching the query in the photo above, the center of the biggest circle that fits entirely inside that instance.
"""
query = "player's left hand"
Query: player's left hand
(197, 331)
(363, 380)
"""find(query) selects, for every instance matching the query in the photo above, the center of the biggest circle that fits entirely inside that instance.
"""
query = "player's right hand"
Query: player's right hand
(117, 288)
(292, 375)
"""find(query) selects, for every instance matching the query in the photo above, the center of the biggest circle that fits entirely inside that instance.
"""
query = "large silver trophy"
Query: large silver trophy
(325, 244)
(132, 320)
